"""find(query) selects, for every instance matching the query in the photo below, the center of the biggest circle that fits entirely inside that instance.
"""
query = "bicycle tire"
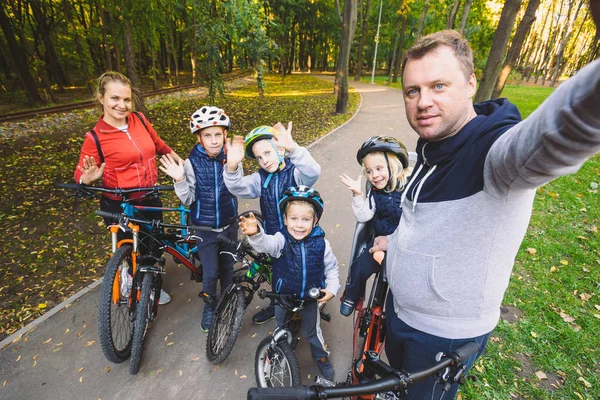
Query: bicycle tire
(142, 319)
(280, 356)
(226, 325)
(115, 327)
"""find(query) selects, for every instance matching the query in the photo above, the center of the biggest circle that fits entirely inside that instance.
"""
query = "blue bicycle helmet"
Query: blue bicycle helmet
(302, 193)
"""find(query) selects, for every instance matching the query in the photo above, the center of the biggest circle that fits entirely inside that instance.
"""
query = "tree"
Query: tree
(364, 23)
(516, 45)
(452, 14)
(422, 21)
(565, 39)
(498, 50)
(19, 60)
(348, 26)
(465, 16)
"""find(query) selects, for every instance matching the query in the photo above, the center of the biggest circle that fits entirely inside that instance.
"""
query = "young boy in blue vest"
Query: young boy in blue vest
(302, 260)
(199, 183)
(269, 145)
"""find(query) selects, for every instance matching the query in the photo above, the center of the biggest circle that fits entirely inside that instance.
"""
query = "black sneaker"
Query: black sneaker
(326, 368)
(264, 315)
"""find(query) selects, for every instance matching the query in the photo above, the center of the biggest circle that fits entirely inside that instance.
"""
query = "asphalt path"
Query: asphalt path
(60, 358)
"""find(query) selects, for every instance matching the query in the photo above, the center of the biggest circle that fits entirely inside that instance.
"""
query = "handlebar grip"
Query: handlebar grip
(284, 393)
(466, 351)
(167, 187)
(224, 239)
(72, 186)
(108, 215)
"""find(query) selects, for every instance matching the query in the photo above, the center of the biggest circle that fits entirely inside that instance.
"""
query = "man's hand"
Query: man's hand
(379, 244)
(249, 225)
(284, 138)
(352, 185)
(172, 167)
(90, 172)
(235, 152)
(328, 296)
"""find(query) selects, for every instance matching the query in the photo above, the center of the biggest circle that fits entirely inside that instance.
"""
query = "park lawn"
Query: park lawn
(547, 344)
(50, 253)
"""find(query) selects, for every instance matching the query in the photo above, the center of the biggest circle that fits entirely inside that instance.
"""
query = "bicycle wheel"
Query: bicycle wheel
(142, 319)
(115, 325)
(226, 325)
(276, 365)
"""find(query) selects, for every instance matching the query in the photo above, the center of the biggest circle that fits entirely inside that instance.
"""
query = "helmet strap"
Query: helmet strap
(387, 161)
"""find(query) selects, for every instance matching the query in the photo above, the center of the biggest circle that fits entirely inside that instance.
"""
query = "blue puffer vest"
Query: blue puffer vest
(276, 184)
(301, 265)
(214, 205)
(387, 211)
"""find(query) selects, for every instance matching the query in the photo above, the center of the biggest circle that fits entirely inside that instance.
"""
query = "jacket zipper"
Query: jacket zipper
(216, 192)
(139, 152)
(303, 269)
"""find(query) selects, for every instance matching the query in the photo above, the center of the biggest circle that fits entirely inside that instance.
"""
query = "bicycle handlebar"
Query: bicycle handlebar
(395, 379)
(74, 186)
(121, 218)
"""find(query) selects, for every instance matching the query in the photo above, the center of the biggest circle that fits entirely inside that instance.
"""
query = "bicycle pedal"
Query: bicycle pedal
(162, 261)
(326, 316)
(208, 299)
(195, 277)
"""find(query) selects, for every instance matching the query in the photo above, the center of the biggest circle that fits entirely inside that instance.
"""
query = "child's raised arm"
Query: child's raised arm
(352, 185)
(249, 225)
(284, 138)
(172, 167)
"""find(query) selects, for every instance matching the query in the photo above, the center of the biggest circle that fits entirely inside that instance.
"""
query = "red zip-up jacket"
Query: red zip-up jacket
(130, 156)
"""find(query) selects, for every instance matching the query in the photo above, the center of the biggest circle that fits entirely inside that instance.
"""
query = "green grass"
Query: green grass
(554, 290)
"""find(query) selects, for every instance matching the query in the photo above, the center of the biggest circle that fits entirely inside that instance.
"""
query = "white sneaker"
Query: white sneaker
(164, 297)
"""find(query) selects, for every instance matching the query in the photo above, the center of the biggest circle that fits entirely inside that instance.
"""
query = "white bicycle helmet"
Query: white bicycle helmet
(208, 116)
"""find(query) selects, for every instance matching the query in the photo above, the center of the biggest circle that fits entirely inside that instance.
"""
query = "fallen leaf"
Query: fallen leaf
(566, 317)
(553, 269)
(81, 379)
(48, 341)
(18, 358)
(36, 356)
(80, 369)
(585, 296)
(42, 306)
(597, 307)
(534, 334)
(89, 343)
(180, 372)
(107, 369)
(4, 384)
(564, 262)
(578, 395)
(253, 336)
(189, 300)
(56, 349)
(170, 344)
(67, 331)
(236, 372)
(530, 250)
(217, 367)
(243, 377)
(34, 363)
(541, 375)
(585, 383)
(195, 358)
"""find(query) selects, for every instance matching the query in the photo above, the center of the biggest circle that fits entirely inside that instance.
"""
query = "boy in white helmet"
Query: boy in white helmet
(199, 184)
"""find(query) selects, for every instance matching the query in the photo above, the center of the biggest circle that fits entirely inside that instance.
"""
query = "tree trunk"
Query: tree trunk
(129, 54)
(452, 15)
(564, 41)
(400, 46)
(422, 21)
(498, 50)
(543, 68)
(18, 57)
(53, 66)
(364, 23)
(103, 15)
(348, 26)
(465, 16)
(516, 45)
(395, 50)
(79, 46)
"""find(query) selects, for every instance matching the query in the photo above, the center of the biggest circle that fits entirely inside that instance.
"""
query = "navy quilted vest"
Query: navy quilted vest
(301, 265)
(276, 184)
(214, 205)
(387, 211)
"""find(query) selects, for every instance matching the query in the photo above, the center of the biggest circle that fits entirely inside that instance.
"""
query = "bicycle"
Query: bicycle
(450, 369)
(229, 312)
(127, 296)
(275, 363)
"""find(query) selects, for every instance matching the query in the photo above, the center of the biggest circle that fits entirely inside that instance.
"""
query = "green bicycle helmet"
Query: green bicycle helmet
(303, 193)
(256, 134)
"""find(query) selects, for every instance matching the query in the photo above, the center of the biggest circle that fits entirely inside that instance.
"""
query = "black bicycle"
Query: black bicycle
(229, 312)
(450, 369)
(275, 363)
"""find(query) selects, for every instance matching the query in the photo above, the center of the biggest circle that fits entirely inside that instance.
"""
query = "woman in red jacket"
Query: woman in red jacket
(121, 149)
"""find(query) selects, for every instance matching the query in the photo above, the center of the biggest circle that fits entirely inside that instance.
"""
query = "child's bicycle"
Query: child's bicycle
(450, 369)
(133, 276)
(229, 313)
(275, 364)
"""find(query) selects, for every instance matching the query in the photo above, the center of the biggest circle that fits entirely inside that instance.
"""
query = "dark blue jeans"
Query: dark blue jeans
(361, 269)
(411, 350)
(216, 266)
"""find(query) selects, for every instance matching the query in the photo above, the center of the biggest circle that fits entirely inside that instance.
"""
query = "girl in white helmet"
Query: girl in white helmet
(199, 184)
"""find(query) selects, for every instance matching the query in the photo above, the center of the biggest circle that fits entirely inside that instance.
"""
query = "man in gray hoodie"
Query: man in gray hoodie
(467, 206)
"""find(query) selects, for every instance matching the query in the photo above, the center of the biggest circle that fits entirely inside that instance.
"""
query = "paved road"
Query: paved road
(62, 359)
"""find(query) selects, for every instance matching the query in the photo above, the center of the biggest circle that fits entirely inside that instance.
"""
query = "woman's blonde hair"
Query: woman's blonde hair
(105, 79)
(397, 179)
